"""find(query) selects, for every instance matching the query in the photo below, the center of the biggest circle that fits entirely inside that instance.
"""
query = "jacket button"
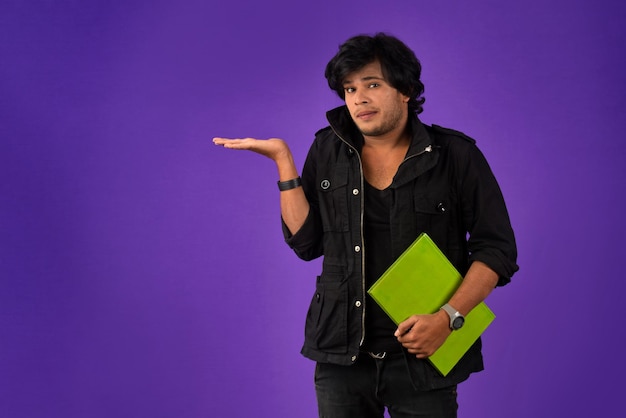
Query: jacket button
(353, 358)
(358, 304)
(355, 191)
(357, 248)
(441, 207)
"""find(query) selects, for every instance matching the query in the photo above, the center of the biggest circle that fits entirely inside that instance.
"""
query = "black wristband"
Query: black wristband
(289, 184)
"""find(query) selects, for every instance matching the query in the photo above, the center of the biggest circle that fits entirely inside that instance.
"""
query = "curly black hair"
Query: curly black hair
(400, 66)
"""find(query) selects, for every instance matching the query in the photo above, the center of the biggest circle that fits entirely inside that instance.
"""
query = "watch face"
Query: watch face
(458, 322)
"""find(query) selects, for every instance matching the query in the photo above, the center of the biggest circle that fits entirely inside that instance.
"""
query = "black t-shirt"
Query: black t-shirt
(379, 328)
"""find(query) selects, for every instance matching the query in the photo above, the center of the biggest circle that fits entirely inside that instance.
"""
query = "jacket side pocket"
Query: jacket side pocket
(327, 319)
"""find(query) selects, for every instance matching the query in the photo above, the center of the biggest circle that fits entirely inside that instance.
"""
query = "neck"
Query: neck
(397, 138)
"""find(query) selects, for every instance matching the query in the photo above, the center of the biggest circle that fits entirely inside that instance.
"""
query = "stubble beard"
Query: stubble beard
(386, 126)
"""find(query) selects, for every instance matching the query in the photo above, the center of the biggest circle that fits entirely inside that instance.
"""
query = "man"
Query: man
(372, 182)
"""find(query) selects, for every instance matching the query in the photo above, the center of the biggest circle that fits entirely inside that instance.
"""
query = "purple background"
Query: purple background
(142, 269)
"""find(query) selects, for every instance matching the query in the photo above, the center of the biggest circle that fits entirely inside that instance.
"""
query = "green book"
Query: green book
(421, 281)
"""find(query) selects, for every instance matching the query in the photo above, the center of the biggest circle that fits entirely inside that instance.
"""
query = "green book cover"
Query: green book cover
(421, 281)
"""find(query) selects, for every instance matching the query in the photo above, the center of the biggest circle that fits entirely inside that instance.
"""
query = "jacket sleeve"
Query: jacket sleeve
(307, 241)
(491, 238)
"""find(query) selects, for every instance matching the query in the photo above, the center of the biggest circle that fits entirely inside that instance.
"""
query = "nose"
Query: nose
(359, 97)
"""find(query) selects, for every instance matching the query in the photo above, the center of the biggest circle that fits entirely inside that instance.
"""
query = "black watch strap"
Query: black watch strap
(289, 184)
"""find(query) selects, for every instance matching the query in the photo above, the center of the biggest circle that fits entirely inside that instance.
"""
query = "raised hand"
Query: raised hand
(273, 148)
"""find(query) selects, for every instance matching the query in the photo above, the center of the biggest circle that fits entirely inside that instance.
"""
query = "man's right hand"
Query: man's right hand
(273, 148)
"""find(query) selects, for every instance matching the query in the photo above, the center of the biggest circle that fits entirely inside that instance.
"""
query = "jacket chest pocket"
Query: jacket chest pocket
(439, 217)
(432, 214)
(333, 199)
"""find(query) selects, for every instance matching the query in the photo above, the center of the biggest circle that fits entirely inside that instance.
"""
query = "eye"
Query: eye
(349, 89)
(373, 85)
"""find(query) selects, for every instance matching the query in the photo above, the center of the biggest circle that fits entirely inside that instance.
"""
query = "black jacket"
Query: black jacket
(444, 187)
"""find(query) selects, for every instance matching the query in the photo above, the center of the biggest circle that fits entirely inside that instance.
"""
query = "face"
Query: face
(377, 108)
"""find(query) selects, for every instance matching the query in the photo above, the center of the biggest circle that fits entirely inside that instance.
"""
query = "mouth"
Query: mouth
(366, 114)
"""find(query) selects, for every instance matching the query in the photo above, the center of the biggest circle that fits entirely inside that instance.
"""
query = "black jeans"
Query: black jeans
(364, 389)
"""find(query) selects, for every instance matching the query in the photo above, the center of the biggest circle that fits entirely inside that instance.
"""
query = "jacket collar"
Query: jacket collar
(341, 122)
(421, 143)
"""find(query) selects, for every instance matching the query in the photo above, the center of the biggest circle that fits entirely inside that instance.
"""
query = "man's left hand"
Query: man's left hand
(422, 335)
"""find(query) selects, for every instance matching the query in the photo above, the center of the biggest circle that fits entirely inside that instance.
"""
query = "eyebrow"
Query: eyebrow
(366, 78)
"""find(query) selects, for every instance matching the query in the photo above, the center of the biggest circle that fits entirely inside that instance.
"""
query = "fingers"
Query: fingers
(233, 142)
(221, 140)
(417, 346)
(419, 351)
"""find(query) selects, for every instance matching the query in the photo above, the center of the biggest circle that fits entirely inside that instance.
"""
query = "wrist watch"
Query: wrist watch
(456, 319)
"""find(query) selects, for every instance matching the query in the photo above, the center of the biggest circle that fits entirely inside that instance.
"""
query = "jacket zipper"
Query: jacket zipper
(426, 149)
(362, 243)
